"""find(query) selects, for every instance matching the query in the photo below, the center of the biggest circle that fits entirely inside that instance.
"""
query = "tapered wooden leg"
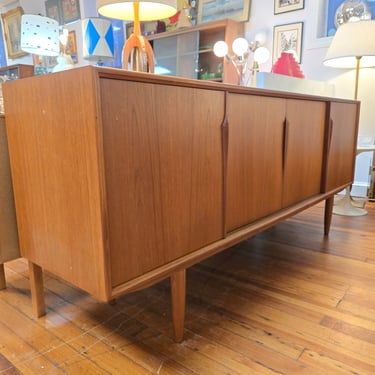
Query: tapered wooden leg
(328, 214)
(178, 295)
(37, 290)
(2, 277)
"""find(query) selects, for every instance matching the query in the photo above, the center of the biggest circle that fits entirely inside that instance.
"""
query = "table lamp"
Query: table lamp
(352, 47)
(241, 48)
(137, 49)
(98, 42)
(39, 36)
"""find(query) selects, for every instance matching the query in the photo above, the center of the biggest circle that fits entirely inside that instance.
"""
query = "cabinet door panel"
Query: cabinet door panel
(163, 165)
(342, 145)
(304, 150)
(254, 173)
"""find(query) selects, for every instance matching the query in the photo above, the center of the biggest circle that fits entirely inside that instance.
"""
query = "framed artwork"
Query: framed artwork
(288, 38)
(282, 6)
(53, 10)
(334, 5)
(12, 32)
(147, 28)
(71, 46)
(211, 10)
(70, 10)
(129, 27)
(3, 58)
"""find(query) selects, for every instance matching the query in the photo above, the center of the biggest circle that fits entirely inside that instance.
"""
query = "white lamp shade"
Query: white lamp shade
(352, 40)
(40, 35)
(98, 42)
(149, 10)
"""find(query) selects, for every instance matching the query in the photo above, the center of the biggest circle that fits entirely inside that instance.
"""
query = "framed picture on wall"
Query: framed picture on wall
(211, 10)
(147, 28)
(53, 10)
(334, 14)
(288, 38)
(129, 27)
(71, 46)
(12, 32)
(70, 10)
(282, 6)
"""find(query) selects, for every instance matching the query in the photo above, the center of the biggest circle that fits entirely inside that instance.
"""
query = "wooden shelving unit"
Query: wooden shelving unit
(188, 52)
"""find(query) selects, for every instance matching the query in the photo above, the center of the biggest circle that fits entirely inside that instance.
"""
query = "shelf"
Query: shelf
(200, 40)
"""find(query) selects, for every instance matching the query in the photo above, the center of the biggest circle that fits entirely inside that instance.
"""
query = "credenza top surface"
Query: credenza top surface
(120, 74)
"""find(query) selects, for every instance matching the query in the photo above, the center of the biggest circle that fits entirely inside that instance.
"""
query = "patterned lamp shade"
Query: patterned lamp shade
(98, 42)
(40, 35)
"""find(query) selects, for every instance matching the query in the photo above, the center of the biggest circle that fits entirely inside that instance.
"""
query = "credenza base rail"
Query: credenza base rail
(176, 270)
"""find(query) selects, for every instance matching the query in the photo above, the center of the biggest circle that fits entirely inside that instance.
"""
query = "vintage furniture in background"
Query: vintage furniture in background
(188, 52)
(9, 247)
(12, 72)
(136, 177)
(17, 71)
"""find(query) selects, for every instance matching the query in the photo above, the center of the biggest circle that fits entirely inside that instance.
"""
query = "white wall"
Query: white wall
(262, 20)
(87, 8)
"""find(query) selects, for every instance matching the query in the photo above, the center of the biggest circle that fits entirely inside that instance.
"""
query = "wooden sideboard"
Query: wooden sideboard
(122, 179)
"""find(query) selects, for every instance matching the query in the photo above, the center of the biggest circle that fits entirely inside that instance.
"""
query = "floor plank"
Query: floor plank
(287, 301)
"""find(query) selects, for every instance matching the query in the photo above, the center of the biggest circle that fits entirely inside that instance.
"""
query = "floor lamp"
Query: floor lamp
(137, 49)
(352, 47)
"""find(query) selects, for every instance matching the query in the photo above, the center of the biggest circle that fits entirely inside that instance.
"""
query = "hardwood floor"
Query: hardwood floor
(287, 301)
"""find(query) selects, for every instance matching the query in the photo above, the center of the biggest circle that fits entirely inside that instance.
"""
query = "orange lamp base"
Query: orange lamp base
(137, 53)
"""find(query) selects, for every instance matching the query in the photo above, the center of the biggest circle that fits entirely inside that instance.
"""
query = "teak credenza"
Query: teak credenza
(122, 179)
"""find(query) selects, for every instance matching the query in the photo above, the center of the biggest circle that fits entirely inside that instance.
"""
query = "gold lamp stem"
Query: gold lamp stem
(137, 23)
(137, 48)
(358, 58)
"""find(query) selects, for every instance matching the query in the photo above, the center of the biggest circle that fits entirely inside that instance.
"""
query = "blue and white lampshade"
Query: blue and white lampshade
(98, 42)
(40, 35)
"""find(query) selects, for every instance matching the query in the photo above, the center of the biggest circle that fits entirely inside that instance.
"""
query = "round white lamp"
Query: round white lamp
(220, 48)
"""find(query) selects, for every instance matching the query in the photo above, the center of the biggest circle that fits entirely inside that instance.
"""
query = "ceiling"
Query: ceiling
(4, 3)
